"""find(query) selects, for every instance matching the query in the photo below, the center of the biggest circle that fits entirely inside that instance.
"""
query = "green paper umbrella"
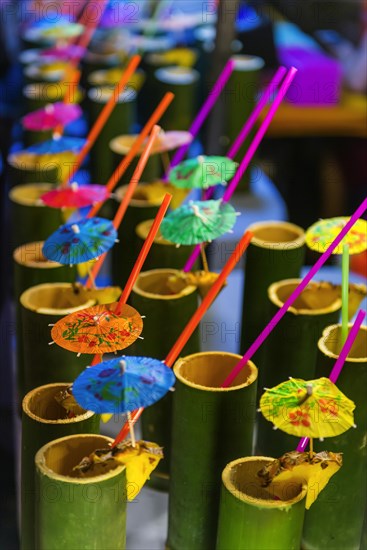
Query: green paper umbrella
(203, 172)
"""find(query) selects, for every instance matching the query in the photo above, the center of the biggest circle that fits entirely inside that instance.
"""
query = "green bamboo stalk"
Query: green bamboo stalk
(32, 221)
(152, 171)
(276, 252)
(363, 545)
(211, 426)
(166, 314)
(40, 94)
(291, 349)
(250, 518)
(336, 519)
(43, 420)
(120, 121)
(80, 513)
(41, 306)
(25, 171)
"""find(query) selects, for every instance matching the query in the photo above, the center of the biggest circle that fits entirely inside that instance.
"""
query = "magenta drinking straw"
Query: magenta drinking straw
(339, 363)
(295, 294)
(250, 153)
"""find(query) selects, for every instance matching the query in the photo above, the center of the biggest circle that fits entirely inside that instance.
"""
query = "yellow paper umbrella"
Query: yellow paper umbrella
(322, 233)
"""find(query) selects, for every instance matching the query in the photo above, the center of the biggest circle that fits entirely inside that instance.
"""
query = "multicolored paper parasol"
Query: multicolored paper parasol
(51, 116)
(98, 330)
(79, 242)
(123, 385)
(75, 196)
(202, 172)
(315, 408)
(322, 233)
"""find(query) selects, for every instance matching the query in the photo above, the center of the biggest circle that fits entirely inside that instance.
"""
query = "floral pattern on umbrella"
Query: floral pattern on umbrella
(322, 233)
(203, 172)
(98, 330)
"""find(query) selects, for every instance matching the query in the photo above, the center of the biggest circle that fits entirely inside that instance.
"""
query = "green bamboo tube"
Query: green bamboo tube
(120, 121)
(31, 219)
(78, 513)
(210, 427)
(291, 348)
(33, 73)
(276, 252)
(183, 82)
(141, 207)
(43, 420)
(336, 519)
(153, 168)
(23, 169)
(163, 254)
(240, 96)
(166, 316)
(40, 94)
(41, 306)
(250, 518)
(363, 545)
(97, 61)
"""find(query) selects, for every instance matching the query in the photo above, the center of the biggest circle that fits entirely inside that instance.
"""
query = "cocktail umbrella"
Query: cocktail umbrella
(315, 408)
(79, 242)
(98, 330)
(75, 196)
(48, 32)
(51, 116)
(58, 144)
(64, 52)
(319, 236)
(166, 141)
(203, 172)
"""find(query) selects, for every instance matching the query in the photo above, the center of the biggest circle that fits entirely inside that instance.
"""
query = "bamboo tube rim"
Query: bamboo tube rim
(42, 400)
(29, 194)
(139, 200)
(247, 376)
(102, 94)
(30, 255)
(143, 228)
(154, 277)
(40, 91)
(177, 76)
(323, 343)
(59, 450)
(253, 483)
(273, 294)
(27, 299)
(244, 63)
(288, 235)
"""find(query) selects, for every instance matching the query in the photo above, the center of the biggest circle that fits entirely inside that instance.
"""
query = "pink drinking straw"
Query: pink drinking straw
(249, 153)
(339, 363)
(293, 297)
(204, 112)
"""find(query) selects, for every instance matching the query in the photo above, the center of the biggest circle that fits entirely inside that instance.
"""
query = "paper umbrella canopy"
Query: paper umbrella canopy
(203, 172)
(315, 408)
(51, 116)
(75, 196)
(58, 144)
(122, 385)
(322, 233)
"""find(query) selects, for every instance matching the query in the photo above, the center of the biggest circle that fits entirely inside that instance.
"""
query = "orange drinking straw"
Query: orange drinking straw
(126, 200)
(104, 115)
(90, 26)
(196, 318)
(124, 164)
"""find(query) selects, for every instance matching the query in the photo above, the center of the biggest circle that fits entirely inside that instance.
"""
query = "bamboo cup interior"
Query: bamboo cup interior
(30, 255)
(141, 197)
(41, 405)
(143, 229)
(330, 343)
(241, 480)
(282, 235)
(208, 371)
(54, 299)
(30, 194)
(317, 298)
(58, 458)
(154, 284)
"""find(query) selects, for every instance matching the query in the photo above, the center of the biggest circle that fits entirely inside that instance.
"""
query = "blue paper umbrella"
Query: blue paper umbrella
(75, 243)
(59, 144)
(122, 385)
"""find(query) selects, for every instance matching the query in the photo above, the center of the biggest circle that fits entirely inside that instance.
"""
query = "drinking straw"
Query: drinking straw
(295, 294)
(125, 162)
(104, 115)
(345, 292)
(74, 75)
(204, 112)
(196, 318)
(126, 199)
(249, 153)
(339, 363)
(91, 25)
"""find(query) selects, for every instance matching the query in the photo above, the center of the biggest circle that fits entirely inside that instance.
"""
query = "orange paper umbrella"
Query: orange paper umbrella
(98, 329)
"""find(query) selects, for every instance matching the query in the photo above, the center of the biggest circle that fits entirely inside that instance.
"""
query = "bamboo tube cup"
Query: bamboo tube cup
(276, 252)
(166, 316)
(78, 512)
(23, 170)
(336, 519)
(250, 518)
(41, 306)
(43, 420)
(291, 349)
(210, 426)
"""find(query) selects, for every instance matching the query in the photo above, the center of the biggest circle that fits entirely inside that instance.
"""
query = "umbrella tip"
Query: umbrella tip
(74, 186)
(75, 228)
(49, 108)
(122, 364)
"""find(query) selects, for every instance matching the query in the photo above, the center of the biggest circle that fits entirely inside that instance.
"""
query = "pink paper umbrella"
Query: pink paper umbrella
(75, 196)
(51, 116)
(62, 53)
